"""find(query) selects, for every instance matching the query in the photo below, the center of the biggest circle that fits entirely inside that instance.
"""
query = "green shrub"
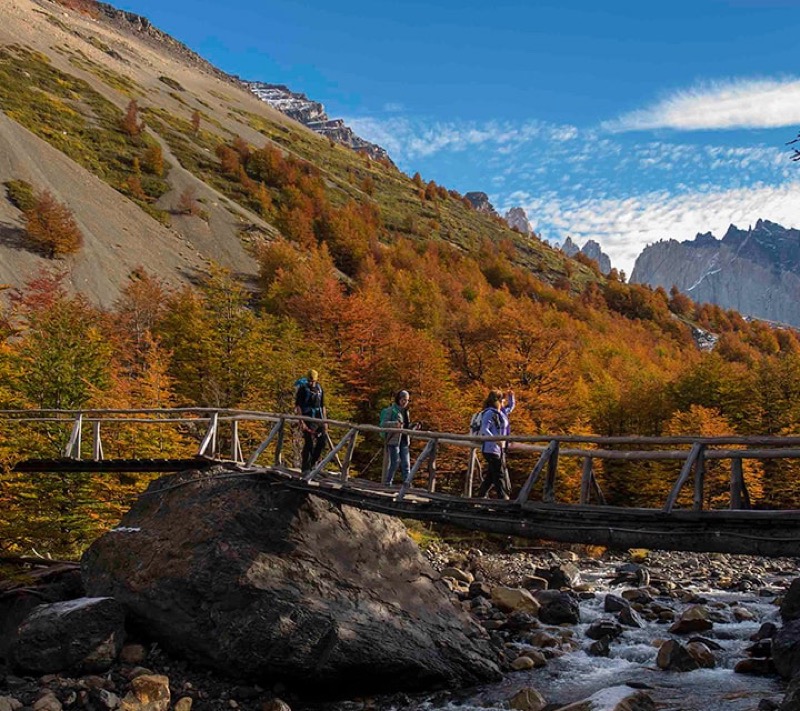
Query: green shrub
(20, 193)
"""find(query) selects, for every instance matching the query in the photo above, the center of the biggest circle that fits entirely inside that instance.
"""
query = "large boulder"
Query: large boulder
(790, 605)
(786, 649)
(260, 581)
(53, 583)
(82, 635)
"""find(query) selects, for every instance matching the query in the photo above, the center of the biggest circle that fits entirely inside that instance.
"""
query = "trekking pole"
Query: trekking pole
(369, 463)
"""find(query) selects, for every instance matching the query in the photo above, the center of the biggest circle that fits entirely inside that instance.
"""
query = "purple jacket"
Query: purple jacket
(493, 423)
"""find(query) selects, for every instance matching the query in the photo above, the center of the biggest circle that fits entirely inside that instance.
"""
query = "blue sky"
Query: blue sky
(625, 122)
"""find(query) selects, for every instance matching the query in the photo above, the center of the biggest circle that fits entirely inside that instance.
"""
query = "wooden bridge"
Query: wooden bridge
(445, 471)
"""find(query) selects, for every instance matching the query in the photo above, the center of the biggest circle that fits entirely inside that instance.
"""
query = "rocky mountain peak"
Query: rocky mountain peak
(312, 114)
(569, 247)
(704, 240)
(755, 271)
(591, 249)
(517, 219)
(480, 201)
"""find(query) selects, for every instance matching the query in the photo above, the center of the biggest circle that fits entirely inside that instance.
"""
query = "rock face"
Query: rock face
(591, 249)
(266, 583)
(480, 201)
(83, 635)
(755, 271)
(517, 219)
(312, 114)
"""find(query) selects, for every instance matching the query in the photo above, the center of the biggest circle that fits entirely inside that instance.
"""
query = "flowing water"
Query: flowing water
(632, 660)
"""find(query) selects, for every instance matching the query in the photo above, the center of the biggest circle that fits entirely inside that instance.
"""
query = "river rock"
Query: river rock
(600, 648)
(790, 605)
(615, 698)
(563, 575)
(56, 584)
(534, 582)
(630, 618)
(786, 649)
(791, 700)
(262, 582)
(701, 654)
(604, 628)
(457, 574)
(558, 607)
(83, 635)
(47, 702)
(693, 619)
(527, 699)
(614, 603)
(479, 589)
(755, 667)
(514, 599)
(766, 631)
(148, 693)
(673, 656)
(9, 703)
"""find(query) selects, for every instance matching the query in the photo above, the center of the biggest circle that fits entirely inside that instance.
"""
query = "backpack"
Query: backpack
(309, 397)
(386, 413)
(475, 422)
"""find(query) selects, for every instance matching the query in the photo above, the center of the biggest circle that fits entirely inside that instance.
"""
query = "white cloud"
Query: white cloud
(407, 139)
(623, 227)
(751, 103)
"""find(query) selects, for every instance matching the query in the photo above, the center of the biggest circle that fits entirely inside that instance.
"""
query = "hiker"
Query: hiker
(494, 422)
(396, 415)
(309, 401)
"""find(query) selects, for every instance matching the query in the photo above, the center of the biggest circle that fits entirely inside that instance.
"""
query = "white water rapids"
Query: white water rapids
(632, 660)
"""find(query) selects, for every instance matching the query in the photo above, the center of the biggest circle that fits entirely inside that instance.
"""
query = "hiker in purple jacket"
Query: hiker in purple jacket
(494, 422)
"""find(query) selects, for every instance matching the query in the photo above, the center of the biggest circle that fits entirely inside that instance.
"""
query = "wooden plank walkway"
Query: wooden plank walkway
(740, 529)
(766, 533)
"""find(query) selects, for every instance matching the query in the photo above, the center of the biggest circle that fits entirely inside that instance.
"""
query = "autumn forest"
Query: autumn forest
(378, 281)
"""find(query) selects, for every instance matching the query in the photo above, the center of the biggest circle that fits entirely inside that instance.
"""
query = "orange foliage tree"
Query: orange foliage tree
(51, 226)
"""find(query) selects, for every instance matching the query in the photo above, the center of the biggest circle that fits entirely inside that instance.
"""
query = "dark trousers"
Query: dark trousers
(494, 477)
(313, 442)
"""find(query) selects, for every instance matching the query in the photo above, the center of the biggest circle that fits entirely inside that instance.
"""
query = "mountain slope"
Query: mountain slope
(68, 77)
(754, 271)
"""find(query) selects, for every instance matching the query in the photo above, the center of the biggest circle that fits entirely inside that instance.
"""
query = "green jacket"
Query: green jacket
(389, 416)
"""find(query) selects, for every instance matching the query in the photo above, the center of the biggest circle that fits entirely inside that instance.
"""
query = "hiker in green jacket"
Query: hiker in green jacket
(396, 415)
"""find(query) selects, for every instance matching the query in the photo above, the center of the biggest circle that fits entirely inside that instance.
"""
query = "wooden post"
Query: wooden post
(97, 444)
(281, 425)
(210, 439)
(683, 476)
(330, 456)
(601, 499)
(422, 457)
(586, 480)
(236, 449)
(432, 467)
(385, 463)
(276, 428)
(740, 497)
(525, 492)
(330, 444)
(473, 460)
(73, 449)
(348, 457)
(699, 479)
(549, 495)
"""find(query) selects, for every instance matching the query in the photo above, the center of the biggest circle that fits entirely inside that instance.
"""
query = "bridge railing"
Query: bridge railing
(218, 435)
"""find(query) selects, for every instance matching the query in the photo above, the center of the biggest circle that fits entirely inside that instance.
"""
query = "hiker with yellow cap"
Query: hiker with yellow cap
(310, 402)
